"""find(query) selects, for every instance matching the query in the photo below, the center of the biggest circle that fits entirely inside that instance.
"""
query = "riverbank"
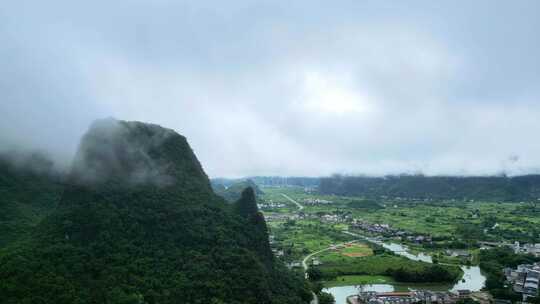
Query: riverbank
(343, 286)
(399, 268)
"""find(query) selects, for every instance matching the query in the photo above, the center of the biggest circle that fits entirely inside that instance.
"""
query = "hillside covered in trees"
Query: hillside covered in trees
(519, 188)
(29, 190)
(136, 221)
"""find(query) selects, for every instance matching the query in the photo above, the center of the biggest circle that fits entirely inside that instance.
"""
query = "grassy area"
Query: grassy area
(385, 265)
(301, 237)
(374, 265)
(346, 254)
(359, 279)
(356, 250)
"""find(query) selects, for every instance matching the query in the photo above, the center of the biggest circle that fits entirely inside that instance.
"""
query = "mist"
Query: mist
(275, 88)
(36, 163)
(120, 151)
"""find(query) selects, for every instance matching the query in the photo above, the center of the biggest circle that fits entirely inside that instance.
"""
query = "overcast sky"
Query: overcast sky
(283, 87)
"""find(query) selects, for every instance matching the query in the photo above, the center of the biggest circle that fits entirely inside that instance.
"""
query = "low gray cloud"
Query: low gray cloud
(268, 87)
(121, 151)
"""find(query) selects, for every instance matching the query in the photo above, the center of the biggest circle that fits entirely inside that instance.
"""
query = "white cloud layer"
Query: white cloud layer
(280, 88)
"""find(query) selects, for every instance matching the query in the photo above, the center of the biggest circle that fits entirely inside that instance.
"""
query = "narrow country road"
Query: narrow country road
(305, 260)
(300, 207)
(315, 299)
(309, 256)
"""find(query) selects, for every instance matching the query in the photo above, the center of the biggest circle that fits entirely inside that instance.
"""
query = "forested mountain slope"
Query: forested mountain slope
(29, 190)
(139, 223)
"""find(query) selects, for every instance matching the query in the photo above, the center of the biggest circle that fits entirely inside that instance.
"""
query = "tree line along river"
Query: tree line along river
(472, 279)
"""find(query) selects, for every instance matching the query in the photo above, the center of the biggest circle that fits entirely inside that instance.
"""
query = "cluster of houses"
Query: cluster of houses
(388, 231)
(525, 279)
(329, 218)
(281, 217)
(533, 249)
(270, 205)
(419, 296)
(316, 201)
(419, 239)
(334, 218)
(372, 228)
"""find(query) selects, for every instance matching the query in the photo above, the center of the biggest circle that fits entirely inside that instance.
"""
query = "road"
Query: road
(309, 256)
(305, 260)
(300, 207)
(315, 299)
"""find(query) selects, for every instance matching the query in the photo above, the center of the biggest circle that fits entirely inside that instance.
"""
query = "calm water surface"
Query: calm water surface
(472, 277)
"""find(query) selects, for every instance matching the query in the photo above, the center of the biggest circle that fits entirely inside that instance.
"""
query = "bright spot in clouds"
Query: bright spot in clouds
(331, 95)
(283, 87)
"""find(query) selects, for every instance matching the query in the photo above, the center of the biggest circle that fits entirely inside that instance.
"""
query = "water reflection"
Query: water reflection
(404, 251)
(472, 279)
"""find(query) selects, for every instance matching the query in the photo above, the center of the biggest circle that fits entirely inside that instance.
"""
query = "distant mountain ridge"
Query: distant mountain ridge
(503, 188)
(137, 222)
(270, 181)
(233, 192)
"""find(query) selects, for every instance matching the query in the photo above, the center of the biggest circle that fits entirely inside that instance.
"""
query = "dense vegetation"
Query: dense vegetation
(433, 273)
(315, 276)
(399, 268)
(29, 190)
(503, 188)
(138, 223)
(364, 205)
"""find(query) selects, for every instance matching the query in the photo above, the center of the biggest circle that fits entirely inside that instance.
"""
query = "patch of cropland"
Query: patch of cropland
(139, 223)
(501, 188)
(364, 205)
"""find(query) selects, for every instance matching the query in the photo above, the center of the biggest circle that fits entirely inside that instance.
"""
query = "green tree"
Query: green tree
(326, 298)
(314, 274)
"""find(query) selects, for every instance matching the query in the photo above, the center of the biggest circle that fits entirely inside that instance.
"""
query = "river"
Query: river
(472, 278)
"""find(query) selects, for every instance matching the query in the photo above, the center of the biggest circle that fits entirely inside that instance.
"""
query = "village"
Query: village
(387, 231)
(525, 279)
(311, 219)
(270, 204)
(418, 296)
(532, 249)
